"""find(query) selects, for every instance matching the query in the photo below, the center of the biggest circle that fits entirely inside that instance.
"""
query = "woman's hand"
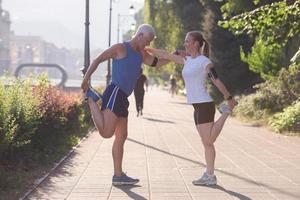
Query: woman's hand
(156, 52)
(232, 103)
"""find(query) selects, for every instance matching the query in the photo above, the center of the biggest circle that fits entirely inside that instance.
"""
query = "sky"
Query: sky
(62, 21)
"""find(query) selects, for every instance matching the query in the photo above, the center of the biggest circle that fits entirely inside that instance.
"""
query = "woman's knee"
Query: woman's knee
(208, 142)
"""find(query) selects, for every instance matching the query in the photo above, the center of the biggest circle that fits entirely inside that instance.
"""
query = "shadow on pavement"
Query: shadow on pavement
(127, 190)
(232, 193)
(166, 152)
(181, 103)
(158, 120)
(253, 182)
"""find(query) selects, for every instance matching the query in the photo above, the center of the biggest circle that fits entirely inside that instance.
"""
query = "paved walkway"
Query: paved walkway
(165, 152)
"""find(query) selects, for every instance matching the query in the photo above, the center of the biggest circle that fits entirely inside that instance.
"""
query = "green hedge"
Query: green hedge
(276, 97)
(19, 117)
(38, 125)
(288, 120)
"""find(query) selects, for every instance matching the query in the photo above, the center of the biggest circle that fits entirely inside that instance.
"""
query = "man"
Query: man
(112, 118)
(139, 92)
(173, 84)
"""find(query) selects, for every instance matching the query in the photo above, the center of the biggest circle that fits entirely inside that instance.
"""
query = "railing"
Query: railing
(64, 77)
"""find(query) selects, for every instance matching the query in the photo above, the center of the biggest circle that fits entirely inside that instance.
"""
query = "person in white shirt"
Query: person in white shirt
(197, 67)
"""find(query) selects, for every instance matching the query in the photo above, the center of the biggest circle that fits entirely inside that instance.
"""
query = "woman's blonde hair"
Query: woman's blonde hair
(197, 36)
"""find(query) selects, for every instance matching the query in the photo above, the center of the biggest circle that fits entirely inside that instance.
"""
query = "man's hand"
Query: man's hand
(85, 85)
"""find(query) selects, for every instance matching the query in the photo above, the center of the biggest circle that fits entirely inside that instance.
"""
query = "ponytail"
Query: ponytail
(203, 44)
(205, 48)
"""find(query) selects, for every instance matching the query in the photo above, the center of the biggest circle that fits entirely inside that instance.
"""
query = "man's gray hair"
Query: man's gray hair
(145, 28)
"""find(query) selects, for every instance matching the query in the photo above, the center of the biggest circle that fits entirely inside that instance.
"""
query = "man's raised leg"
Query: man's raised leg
(105, 121)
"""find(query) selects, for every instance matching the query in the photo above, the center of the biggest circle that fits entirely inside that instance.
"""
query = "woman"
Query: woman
(197, 67)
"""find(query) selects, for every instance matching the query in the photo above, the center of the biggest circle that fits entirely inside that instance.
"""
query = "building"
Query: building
(4, 40)
(26, 49)
(33, 49)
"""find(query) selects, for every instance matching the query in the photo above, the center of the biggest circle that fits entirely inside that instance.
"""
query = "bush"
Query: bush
(62, 116)
(274, 96)
(288, 120)
(37, 119)
(247, 108)
(19, 119)
(38, 125)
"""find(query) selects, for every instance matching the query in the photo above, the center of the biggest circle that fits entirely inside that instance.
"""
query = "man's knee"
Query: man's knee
(122, 136)
(106, 134)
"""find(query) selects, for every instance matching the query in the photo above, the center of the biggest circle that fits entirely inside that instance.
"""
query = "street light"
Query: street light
(108, 75)
(133, 25)
(87, 39)
(131, 12)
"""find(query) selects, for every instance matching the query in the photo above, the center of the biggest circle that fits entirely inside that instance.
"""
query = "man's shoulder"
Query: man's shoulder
(119, 49)
(119, 46)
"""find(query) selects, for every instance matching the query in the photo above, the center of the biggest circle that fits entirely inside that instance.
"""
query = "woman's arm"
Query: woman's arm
(212, 74)
(166, 55)
(152, 60)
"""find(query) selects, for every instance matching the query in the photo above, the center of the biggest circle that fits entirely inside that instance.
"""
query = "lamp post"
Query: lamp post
(87, 39)
(131, 12)
(108, 74)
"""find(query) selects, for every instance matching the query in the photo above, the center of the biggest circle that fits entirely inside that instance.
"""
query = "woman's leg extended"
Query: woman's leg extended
(204, 131)
(105, 121)
(118, 145)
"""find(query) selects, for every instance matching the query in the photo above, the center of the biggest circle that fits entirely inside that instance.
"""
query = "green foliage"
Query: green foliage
(249, 109)
(234, 7)
(38, 125)
(31, 115)
(275, 23)
(19, 117)
(264, 60)
(272, 97)
(174, 19)
(288, 120)
(170, 31)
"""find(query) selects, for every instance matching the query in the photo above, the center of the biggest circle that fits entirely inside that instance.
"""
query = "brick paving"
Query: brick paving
(165, 152)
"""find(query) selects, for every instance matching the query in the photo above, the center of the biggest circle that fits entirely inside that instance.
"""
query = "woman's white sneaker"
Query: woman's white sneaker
(225, 109)
(206, 179)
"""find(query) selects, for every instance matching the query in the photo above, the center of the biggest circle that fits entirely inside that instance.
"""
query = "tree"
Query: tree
(275, 26)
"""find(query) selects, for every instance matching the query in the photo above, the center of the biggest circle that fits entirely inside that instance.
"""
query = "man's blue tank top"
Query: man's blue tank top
(125, 71)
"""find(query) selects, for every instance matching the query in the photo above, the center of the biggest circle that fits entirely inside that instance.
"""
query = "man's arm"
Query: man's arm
(111, 52)
(153, 61)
